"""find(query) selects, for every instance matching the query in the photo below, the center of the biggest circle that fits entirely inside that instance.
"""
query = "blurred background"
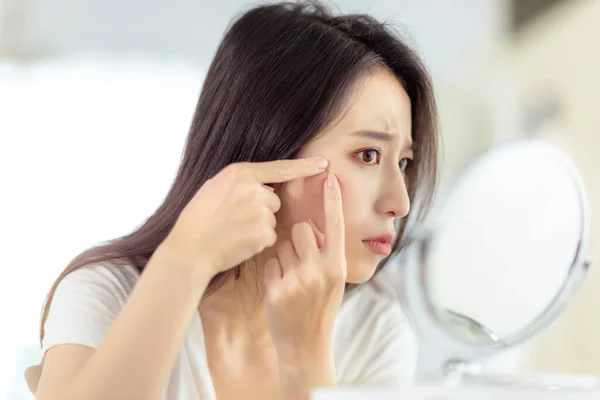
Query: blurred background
(96, 97)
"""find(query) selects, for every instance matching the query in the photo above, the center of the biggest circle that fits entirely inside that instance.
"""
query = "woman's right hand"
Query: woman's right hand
(232, 217)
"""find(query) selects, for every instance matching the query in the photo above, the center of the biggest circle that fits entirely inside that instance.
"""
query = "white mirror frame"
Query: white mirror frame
(442, 352)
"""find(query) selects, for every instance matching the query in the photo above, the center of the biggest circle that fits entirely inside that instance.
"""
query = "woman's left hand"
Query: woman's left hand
(304, 286)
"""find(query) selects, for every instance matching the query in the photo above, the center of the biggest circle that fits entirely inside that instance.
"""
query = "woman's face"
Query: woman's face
(368, 148)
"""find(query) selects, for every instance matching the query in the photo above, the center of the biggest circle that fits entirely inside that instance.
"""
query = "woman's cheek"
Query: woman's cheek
(305, 196)
(358, 189)
(304, 199)
(314, 205)
(349, 192)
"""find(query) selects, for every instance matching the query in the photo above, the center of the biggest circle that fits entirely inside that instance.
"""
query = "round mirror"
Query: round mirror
(501, 256)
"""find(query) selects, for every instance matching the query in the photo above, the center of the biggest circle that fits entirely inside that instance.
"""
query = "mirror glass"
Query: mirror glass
(506, 242)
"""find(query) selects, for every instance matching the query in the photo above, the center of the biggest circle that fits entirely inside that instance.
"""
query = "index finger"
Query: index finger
(334, 217)
(287, 170)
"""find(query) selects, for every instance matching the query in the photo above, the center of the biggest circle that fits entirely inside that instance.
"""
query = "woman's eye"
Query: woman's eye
(369, 156)
(404, 163)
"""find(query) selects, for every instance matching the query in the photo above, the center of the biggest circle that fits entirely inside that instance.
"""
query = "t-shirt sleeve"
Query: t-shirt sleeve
(376, 345)
(84, 306)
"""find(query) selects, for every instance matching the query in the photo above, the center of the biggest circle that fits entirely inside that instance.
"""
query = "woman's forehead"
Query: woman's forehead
(378, 104)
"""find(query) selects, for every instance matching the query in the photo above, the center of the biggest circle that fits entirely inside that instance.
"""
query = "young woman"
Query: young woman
(312, 135)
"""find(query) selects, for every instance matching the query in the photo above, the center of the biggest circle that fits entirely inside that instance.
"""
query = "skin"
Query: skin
(374, 195)
(267, 335)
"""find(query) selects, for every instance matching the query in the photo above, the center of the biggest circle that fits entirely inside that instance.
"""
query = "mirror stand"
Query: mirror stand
(516, 219)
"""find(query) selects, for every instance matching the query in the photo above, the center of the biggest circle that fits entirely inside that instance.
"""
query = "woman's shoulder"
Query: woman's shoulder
(90, 294)
(373, 340)
(86, 301)
(367, 307)
(84, 305)
(114, 278)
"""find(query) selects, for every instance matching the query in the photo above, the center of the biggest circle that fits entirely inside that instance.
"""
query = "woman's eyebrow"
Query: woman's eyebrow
(377, 135)
(382, 137)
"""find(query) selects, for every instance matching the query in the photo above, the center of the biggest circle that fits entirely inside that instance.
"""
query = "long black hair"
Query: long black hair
(280, 75)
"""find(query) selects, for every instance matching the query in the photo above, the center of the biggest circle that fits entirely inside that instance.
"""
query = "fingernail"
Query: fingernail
(321, 164)
(332, 181)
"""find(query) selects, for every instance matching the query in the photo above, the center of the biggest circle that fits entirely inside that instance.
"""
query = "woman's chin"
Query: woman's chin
(361, 272)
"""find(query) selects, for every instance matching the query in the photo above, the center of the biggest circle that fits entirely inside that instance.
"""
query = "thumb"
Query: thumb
(319, 236)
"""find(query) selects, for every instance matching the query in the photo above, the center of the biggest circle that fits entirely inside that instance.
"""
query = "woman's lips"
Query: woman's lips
(378, 247)
(381, 244)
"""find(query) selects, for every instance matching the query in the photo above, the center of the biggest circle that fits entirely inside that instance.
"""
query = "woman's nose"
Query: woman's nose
(394, 201)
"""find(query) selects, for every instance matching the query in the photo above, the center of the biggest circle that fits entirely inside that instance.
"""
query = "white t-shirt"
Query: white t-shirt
(373, 341)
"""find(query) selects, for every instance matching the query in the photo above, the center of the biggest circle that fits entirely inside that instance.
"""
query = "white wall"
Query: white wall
(88, 148)
(449, 34)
